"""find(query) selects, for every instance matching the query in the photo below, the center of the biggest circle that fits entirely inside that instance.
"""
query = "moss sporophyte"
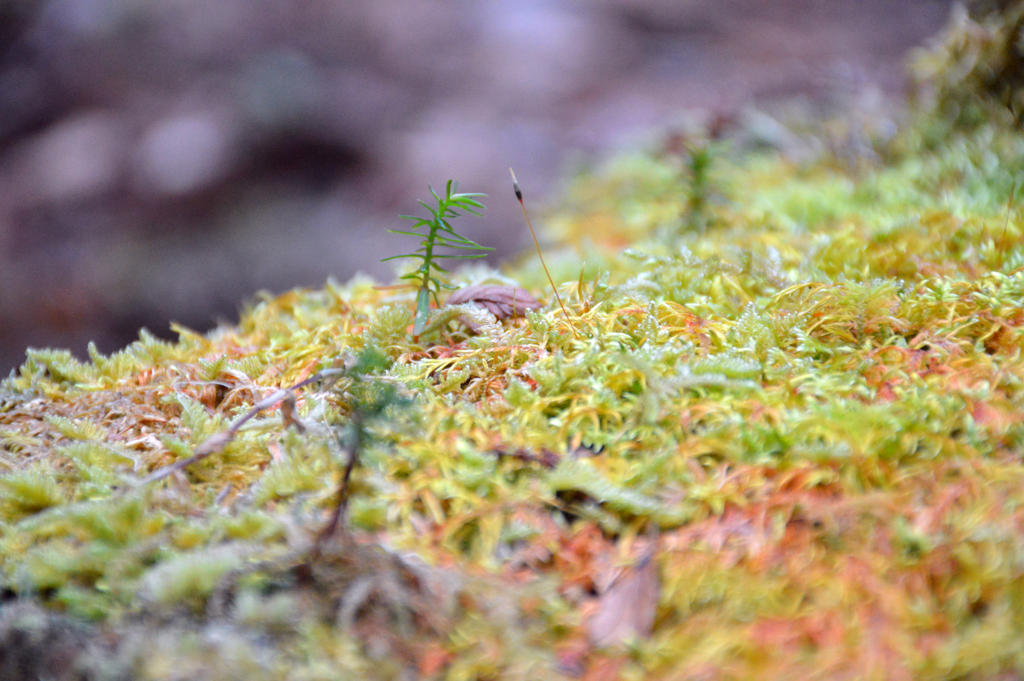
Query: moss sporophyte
(519, 196)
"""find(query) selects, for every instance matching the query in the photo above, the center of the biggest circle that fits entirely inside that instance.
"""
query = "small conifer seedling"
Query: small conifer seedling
(437, 232)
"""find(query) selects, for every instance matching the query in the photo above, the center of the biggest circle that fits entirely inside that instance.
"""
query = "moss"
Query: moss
(188, 579)
(973, 75)
(24, 493)
(802, 384)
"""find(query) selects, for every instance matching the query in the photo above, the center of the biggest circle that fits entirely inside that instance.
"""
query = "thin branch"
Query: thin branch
(341, 498)
(219, 441)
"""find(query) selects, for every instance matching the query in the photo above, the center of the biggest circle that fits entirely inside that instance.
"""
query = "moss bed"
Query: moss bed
(779, 436)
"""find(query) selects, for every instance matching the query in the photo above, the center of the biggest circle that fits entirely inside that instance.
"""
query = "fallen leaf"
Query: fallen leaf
(501, 300)
(627, 605)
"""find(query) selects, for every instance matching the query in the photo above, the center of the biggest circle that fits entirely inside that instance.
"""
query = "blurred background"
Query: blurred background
(165, 159)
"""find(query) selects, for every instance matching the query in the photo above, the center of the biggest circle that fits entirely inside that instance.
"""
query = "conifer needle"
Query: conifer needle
(519, 195)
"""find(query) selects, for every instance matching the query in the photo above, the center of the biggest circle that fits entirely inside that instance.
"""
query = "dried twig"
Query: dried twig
(219, 441)
(341, 498)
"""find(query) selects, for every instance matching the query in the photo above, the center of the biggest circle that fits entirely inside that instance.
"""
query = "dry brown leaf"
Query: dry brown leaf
(289, 413)
(626, 607)
(501, 300)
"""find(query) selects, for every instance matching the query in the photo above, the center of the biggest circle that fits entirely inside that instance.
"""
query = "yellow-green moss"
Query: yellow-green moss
(810, 392)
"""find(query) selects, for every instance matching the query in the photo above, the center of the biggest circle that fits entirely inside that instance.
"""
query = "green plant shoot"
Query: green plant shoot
(439, 233)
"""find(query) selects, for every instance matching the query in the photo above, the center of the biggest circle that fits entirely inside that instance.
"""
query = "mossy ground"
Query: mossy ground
(801, 397)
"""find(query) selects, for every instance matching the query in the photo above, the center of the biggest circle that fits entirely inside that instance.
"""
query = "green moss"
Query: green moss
(24, 493)
(188, 579)
(802, 383)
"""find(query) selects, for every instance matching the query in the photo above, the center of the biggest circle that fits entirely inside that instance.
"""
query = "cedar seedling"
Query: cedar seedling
(699, 168)
(1006, 224)
(519, 195)
(370, 399)
(439, 233)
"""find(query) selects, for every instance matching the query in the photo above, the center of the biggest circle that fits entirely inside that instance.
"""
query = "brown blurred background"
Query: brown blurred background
(165, 159)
